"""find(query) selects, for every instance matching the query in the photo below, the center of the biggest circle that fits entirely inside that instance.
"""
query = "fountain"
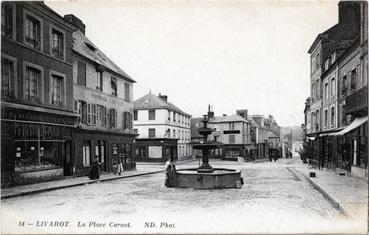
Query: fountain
(205, 176)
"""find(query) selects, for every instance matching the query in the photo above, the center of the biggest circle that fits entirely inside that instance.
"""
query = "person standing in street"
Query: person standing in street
(120, 164)
(95, 169)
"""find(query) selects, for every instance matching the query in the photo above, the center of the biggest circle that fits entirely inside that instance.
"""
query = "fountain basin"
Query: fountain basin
(219, 178)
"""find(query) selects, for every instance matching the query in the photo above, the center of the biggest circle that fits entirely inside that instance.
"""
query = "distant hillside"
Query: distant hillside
(297, 133)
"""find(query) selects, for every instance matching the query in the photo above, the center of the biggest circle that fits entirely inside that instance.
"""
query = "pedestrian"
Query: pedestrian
(95, 169)
(170, 173)
(120, 164)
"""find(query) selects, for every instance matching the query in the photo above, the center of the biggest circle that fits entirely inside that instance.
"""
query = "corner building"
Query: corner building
(37, 118)
(102, 99)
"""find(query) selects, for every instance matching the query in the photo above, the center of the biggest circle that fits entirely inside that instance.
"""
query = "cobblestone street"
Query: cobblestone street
(274, 198)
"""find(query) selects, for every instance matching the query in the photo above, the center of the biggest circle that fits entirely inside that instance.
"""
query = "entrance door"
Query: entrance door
(354, 163)
(67, 159)
(100, 152)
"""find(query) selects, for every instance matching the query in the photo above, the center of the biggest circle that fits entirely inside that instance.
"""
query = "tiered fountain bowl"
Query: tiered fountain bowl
(207, 177)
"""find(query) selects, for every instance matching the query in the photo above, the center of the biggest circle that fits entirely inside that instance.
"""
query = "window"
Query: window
(100, 115)
(325, 118)
(57, 90)
(127, 120)
(353, 79)
(127, 94)
(104, 117)
(113, 83)
(7, 19)
(174, 133)
(151, 132)
(135, 115)
(174, 116)
(167, 133)
(81, 76)
(344, 84)
(232, 139)
(82, 110)
(86, 153)
(94, 114)
(151, 114)
(57, 44)
(333, 87)
(33, 32)
(7, 76)
(326, 95)
(99, 80)
(89, 114)
(113, 118)
(168, 115)
(135, 131)
(332, 116)
(32, 84)
(231, 125)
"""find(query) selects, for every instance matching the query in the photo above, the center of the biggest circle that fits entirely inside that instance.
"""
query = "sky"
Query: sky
(230, 54)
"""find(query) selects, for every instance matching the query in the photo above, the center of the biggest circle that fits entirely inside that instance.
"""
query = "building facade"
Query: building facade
(340, 140)
(37, 118)
(103, 100)
(163, 129)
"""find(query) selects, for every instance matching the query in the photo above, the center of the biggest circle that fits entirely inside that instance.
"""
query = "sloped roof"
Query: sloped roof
(83, 46)
(151, 101)
(232, 118)
(271, 134)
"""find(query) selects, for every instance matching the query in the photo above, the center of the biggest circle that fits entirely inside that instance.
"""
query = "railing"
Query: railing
(356, 103)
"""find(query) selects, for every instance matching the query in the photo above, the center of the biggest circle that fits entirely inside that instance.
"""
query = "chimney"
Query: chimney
(76, 22)
(242, 113)
(163, 97)
(349, 13)
(210, 111)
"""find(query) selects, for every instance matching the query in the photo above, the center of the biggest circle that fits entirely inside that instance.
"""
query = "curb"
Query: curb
(73, 185)
(326, 195)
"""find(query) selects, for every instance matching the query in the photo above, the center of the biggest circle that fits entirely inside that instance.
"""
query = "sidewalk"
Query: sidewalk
(141, 169)
(347, 193)
(73, 182)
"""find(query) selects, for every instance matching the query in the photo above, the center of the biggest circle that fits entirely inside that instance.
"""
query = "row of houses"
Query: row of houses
(241, 136)
(63, 101)
(64, 104)
(336, 113)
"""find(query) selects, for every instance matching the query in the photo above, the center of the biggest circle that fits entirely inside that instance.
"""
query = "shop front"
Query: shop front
(156, 150)
(36, 144)
(105, 147)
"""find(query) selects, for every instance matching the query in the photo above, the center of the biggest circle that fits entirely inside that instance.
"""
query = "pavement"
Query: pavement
(347, 193)
(141, 169)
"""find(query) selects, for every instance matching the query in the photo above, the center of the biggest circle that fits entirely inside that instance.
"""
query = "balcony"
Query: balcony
(356, 103)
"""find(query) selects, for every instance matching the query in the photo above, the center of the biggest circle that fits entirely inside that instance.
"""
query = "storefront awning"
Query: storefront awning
(356, 123)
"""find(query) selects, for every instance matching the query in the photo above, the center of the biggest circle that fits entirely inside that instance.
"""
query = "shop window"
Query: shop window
(33, 32)
(86, 153)
(57, 44)
(81, 74)
(7, 76)
(33, 84)
(30, 156)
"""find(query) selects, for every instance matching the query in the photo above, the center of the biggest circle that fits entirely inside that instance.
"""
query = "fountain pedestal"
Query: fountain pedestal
(207, 177)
